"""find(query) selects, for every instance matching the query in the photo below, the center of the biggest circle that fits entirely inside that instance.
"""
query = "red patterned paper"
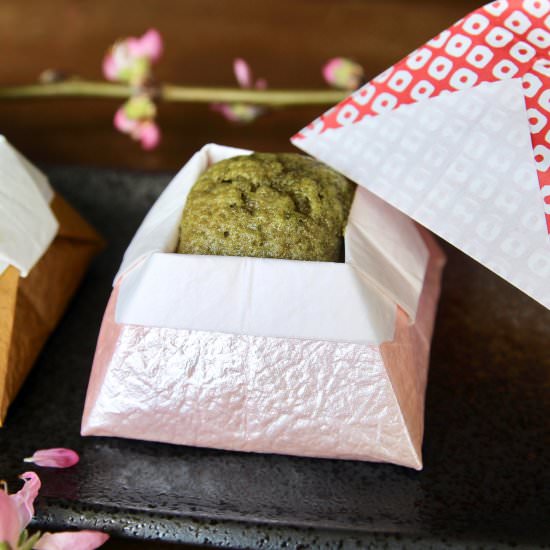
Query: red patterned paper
(502, 40)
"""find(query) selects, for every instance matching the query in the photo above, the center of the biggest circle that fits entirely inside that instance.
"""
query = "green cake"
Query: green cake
(269, 205)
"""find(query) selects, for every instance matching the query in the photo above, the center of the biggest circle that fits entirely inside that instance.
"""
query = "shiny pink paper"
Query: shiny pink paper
(270, 395)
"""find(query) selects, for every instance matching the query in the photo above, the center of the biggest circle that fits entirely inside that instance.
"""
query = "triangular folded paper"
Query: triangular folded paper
(464, 150)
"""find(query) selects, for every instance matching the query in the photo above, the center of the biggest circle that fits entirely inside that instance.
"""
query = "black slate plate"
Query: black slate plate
(486, 429)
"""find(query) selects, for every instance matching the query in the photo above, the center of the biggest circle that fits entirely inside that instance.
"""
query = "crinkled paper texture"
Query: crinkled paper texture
(264, 394)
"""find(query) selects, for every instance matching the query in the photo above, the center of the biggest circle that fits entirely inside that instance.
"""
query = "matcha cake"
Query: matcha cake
(268, 205)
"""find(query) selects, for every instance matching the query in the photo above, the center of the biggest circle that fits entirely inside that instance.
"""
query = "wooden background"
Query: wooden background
(286, 41)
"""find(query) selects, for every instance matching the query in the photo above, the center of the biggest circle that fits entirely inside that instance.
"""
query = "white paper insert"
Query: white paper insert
(27, 224)
(385, 265)
(460, 164)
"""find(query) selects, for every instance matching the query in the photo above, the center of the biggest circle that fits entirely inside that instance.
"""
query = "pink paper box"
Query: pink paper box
(257, 392)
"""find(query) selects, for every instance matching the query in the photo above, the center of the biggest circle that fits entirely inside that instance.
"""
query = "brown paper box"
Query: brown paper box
(31, 307)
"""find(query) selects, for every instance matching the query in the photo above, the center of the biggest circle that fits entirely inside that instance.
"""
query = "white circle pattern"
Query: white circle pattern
(458, 45)
(498, 37)
(505, 69)
(522, 52)
(517, 22)
(419, 58)
(463, 78)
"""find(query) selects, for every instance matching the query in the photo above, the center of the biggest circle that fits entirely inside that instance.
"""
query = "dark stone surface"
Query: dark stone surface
(484, 481)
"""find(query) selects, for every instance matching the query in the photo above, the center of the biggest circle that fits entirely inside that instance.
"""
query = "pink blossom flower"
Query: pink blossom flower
(17, 510)
(136, 118)
(130, 60)
(343, 73)
(54, 458)
(23, 500)
(242, 112)
(11, 523)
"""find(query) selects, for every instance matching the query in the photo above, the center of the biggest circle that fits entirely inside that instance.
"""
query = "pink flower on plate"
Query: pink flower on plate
(137, 119)
(130, 60)
(54, 458)
(242, 112)
(343, 73)
(17, 510)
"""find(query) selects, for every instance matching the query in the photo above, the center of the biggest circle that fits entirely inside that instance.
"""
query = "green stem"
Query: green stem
(187, 94)
(272, 98)
(69, 88)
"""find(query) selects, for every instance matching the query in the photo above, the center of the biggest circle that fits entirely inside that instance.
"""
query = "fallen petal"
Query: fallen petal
(54, 458)
(243, 74)
(151, 44)
(23, 500)
(149, 134)
(77, 540)
(10, 524)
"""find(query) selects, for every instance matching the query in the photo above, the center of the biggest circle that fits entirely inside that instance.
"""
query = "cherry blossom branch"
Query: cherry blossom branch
(170, 92)
(128, 66)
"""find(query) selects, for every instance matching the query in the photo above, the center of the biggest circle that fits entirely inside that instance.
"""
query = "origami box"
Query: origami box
(251, 354)
(45, 249)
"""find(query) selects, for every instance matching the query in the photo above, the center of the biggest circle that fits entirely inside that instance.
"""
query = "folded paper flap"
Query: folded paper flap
(409, 387)
(153, 235)
(455, 136)
(461, 165)
(27, 224)
(255, 296)
(386, 248)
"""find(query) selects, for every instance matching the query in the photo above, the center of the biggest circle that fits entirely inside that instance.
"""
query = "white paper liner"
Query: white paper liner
(385, 265)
